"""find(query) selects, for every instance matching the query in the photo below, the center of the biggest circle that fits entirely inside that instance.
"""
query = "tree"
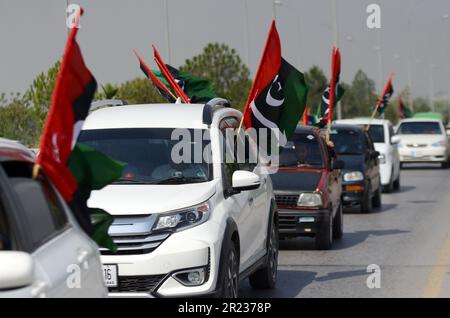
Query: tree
(139, 91)
(223, 67)
(109, 91)
(40, 92)
(317, 83)
(361, 95)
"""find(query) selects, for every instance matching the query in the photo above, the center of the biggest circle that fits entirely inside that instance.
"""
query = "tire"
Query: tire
(444, 165)
(324, 238)
(266, 277)
(376, 200)
(390, 187)
(230, 273)
(338, 223)
(397, 183)
(366, 204)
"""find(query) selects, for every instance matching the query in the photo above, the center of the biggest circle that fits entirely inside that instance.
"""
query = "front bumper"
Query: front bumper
(292, 223)
(425, 154)
(353, 198)
(151, 274)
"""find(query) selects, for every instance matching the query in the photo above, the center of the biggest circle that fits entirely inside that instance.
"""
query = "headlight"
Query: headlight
(183, 219)
(310, 200)
(353, 176)
(441, 143)
(382, 158)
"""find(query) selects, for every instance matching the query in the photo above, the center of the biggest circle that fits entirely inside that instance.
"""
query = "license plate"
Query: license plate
(110, 275)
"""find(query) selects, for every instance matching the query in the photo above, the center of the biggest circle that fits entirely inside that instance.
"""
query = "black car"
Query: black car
(361, 176)
(308, 188)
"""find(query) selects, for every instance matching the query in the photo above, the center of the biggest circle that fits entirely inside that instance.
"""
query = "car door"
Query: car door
(240, 204)
(58, 248)
(334, 177)
(393, 148)
(372, 164)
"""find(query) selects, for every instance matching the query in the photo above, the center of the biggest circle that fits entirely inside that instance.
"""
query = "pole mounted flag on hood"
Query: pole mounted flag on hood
(277, 98)
(74, 90)
(333, 93)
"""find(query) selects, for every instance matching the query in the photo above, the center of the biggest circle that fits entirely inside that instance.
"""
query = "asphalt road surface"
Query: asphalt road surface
(409, 239)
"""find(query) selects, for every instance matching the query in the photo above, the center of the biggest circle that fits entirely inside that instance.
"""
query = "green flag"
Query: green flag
(93, 171)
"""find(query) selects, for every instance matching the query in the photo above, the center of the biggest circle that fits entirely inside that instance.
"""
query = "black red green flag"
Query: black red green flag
(403, 110)
(277, 98)
(384, 98)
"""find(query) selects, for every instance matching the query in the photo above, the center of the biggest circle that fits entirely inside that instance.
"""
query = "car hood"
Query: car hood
(353, 162)
(421, 139)
(150, 199)
(289, 180)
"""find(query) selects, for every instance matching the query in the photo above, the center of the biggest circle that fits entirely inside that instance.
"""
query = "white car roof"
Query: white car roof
(147, 116)
(362, 121)
(15, 146)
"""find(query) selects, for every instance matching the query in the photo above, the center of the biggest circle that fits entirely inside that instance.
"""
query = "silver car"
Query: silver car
(43, 251)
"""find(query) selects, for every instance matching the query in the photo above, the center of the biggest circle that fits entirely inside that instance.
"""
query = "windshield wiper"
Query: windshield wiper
(297, 164)
(132, 181)
(182, 180)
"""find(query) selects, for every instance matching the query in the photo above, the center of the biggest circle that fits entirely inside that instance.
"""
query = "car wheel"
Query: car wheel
(230, 274)
(366, 204)
(376, 200)
(324, 238)
(390, 187)
(266, 277)
(444, 165)
(338, 223)
(397, 183)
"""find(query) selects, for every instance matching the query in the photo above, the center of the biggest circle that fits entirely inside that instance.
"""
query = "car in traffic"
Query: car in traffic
(361, 175)
(423, 140)
(189, 226)
(308, 189)
(386, 143)
(43, 250)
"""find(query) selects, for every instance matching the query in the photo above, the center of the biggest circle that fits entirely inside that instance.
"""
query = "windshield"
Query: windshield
(420, 128)
(347, 142)
(303, 150)
(147, 153)
(376, 132)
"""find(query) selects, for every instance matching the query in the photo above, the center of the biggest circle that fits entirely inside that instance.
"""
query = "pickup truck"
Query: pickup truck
(308, 189)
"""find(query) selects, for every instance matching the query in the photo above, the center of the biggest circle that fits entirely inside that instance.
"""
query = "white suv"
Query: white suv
(43, 251)
(386, 143)
(183, 229)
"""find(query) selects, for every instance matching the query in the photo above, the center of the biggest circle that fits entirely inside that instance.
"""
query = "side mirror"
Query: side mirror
(338, 165)
(374, 154)
(245, 181)
(395, 140)
(16, 270)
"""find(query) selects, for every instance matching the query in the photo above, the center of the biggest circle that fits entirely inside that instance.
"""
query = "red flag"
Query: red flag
(163, 89)
(387, 93)
(335, 71)
(268, 69)
(305, 116)
(401, 107)
(74, 90)
(168, 76)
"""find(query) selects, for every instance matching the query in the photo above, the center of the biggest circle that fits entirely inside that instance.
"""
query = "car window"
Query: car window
(420, 128)
(348, 141)
(43, 214)
(230, 164)
(302, 150)
(377, 133)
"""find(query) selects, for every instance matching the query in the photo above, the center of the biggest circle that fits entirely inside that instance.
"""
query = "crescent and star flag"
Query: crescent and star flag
(277, 98)
(169, 78)
(404, 111)
(74, 90)
(325, 110)
(384, 98)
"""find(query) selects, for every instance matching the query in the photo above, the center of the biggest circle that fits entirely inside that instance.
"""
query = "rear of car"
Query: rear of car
(53, 256)
(423, 141)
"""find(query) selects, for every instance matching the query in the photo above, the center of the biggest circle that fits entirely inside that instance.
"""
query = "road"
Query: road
(409, 239)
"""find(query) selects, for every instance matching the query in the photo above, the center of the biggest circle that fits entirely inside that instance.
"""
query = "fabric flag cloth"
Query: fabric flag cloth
(169, 78)
(404, 111)
(277, 98)
(384, 99)
(325, 110)
(74, 90)
(198, 90)
(160, 86)
(93, 171)
(305, 116)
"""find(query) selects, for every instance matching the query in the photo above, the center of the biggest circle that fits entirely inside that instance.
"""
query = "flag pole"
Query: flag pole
(332, 89)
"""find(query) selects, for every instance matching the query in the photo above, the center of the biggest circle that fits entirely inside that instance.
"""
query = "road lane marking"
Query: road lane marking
(439, 272)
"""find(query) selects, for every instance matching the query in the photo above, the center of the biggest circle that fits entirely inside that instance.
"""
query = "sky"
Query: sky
(414, 36)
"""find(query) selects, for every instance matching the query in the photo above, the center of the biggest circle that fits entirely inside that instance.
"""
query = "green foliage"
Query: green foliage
(109, 91)
(359, 97)
(317, 83)
(223, 67)
(139, 91)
